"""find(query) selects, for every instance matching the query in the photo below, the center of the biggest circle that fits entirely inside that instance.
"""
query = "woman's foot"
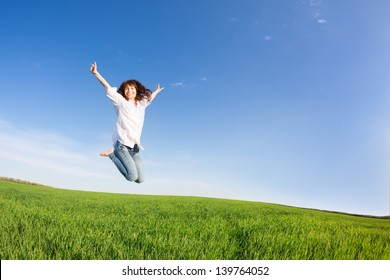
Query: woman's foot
(107, 153)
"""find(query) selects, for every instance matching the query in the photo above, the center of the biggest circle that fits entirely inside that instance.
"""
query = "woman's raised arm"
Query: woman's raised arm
(95, 72)
(153, 95)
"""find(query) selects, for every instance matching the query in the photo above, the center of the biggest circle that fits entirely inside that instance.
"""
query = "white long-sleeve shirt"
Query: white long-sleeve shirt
(130, 119)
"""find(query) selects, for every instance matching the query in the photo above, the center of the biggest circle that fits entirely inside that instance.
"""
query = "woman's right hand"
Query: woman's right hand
(93, 68)
(95, 72)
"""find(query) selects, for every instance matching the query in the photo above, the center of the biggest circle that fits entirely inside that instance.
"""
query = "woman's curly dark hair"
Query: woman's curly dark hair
(142, 92)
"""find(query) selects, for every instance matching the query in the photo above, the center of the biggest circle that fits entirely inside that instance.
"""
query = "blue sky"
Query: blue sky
(276, 101)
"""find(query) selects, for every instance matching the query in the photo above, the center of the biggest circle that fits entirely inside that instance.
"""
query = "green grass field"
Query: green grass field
(40, 222)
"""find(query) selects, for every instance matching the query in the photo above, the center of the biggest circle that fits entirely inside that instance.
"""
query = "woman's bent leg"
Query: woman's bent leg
(123, 160)
(107, 153)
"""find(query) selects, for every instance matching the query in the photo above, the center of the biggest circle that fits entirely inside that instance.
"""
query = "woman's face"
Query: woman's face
(130, 92)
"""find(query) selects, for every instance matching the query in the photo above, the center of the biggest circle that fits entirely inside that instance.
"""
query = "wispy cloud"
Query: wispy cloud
(315, 9)
(184, 84)
(267, 37)
(180, 84)
(320, 18)
(44, 144)
(322, 21)
(315, 3)
(45, 150)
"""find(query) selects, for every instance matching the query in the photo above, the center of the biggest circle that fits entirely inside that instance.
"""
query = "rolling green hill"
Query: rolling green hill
(39, 222)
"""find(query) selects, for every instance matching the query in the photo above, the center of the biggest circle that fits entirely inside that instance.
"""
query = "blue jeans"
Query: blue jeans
(128, 162)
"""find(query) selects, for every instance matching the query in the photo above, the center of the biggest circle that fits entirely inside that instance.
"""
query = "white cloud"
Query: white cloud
(267, 37)
(316, 11)
(46, 151)
(315, 2)
(184, 84)
(44, 144)
(322, 21)
(179, 84)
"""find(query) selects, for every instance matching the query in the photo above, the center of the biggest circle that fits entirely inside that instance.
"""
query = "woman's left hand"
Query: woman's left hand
(158, 88)
(154, 93)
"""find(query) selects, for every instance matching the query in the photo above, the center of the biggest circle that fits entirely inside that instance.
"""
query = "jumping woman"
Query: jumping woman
(130, 102)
